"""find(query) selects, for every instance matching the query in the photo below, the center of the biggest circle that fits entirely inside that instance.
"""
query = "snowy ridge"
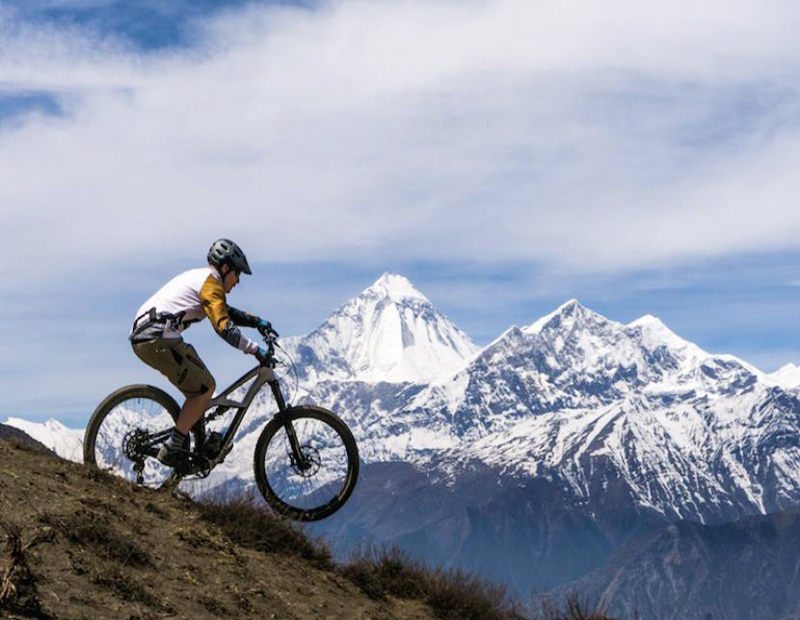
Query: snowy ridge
(787, 376)
(65, 442)
(592, 402)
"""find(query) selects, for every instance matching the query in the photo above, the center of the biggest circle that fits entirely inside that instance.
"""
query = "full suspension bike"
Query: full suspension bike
(305, 460)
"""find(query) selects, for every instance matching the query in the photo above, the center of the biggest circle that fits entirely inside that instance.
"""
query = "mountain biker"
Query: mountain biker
(188, 298)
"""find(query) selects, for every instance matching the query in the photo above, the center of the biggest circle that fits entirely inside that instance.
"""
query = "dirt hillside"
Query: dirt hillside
(77, 543)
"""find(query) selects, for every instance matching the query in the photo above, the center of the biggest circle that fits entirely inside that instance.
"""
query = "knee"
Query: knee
(208, 393)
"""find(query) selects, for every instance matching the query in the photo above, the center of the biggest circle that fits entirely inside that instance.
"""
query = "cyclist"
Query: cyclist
(186, 299)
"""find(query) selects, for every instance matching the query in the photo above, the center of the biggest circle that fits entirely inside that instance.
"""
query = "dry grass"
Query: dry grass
(575, 608)
(95, 531)
(129, 589)
(381, 572)
(450, 593)
(139, 553)
(249, 524)
(29, 446)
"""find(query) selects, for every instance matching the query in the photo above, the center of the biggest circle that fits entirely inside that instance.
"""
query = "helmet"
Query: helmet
(226, 251)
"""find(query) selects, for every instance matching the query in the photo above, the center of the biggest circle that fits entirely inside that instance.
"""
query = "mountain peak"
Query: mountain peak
(390, 332)
(395, 287)
(569, 309)
(787, 376)
(65, 442)
(650, 324)
(656, 333)
(647, 319)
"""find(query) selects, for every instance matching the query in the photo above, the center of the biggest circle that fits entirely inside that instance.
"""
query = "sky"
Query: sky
(504, 155)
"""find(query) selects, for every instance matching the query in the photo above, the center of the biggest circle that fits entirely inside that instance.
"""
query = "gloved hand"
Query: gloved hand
(265, 328)
(262, 355)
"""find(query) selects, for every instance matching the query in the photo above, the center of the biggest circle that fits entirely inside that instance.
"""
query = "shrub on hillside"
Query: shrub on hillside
(248, 523)
(378, 571)
(450, 593)
(18, 590)
(575, 608)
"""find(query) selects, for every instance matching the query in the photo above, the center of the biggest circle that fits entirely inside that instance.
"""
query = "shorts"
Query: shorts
(178, 362)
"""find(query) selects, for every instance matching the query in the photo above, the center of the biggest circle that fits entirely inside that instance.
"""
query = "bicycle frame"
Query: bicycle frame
(222, 403)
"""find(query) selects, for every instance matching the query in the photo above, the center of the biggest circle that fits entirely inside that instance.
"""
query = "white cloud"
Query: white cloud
(582, 135)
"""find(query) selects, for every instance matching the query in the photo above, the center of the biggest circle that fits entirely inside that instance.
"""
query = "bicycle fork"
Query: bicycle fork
(297, 457)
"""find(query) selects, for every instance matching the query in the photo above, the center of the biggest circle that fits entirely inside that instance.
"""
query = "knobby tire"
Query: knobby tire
(272, 462)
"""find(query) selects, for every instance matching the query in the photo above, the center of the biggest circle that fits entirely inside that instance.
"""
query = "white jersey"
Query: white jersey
(188, 298)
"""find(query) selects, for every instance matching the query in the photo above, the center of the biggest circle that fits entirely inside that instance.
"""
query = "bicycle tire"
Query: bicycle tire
(147, 407)
(280, 482)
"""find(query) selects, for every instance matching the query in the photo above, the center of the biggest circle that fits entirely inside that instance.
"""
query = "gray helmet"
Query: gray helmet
(226, 251)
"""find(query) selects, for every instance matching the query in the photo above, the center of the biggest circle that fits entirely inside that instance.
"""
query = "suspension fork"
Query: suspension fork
(297, 455)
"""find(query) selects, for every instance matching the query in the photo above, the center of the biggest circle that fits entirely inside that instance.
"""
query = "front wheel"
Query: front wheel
(126, 431)
(309, 478)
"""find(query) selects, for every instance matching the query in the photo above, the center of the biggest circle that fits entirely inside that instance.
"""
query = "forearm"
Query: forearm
(243, 319)
(231, 334)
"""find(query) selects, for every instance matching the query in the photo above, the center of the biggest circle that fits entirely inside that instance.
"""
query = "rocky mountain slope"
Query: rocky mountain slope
(80, 544)
(526, 534)
(11, 433)
(66, 442)
(746, 569)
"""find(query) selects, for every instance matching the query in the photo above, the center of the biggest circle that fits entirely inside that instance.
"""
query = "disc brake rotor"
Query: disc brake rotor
(311, 463)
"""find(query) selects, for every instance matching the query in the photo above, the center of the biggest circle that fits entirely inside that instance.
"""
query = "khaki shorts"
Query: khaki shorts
(178, 362)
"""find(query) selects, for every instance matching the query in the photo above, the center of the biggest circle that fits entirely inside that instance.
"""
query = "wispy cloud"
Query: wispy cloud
(583, 137)
(576, 140)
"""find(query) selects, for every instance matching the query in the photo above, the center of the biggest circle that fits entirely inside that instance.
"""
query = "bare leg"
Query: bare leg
(193, 410)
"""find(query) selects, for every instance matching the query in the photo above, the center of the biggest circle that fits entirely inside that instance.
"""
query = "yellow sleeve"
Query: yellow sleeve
(212, 296)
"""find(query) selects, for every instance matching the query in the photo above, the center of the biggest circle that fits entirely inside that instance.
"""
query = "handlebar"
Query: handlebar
(270, 337)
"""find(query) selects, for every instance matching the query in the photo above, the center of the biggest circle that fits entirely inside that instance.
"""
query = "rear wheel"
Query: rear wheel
(320, 481)
(126, 431)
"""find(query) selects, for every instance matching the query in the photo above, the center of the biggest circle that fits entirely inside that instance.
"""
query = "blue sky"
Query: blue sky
(504, 155)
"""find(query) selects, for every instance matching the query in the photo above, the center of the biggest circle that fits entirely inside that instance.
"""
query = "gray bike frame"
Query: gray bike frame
(222, 403)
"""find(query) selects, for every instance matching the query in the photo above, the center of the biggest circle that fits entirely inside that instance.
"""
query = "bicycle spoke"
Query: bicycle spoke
(128, 434)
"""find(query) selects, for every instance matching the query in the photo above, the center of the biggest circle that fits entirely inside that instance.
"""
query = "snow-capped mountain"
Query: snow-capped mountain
(65, 442)
(571, 435)
(574, 358)
(371, 356)
(390, 333)
(586, 399)
(787, 376)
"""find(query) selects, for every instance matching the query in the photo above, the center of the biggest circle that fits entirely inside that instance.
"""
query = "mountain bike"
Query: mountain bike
(305, 460)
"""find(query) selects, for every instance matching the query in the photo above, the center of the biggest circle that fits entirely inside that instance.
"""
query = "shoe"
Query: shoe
(171, 457)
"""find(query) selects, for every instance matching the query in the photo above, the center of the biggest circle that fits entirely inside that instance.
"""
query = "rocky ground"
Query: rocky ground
(77, 543)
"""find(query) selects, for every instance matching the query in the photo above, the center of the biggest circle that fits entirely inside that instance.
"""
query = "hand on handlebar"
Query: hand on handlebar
(265, 329)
